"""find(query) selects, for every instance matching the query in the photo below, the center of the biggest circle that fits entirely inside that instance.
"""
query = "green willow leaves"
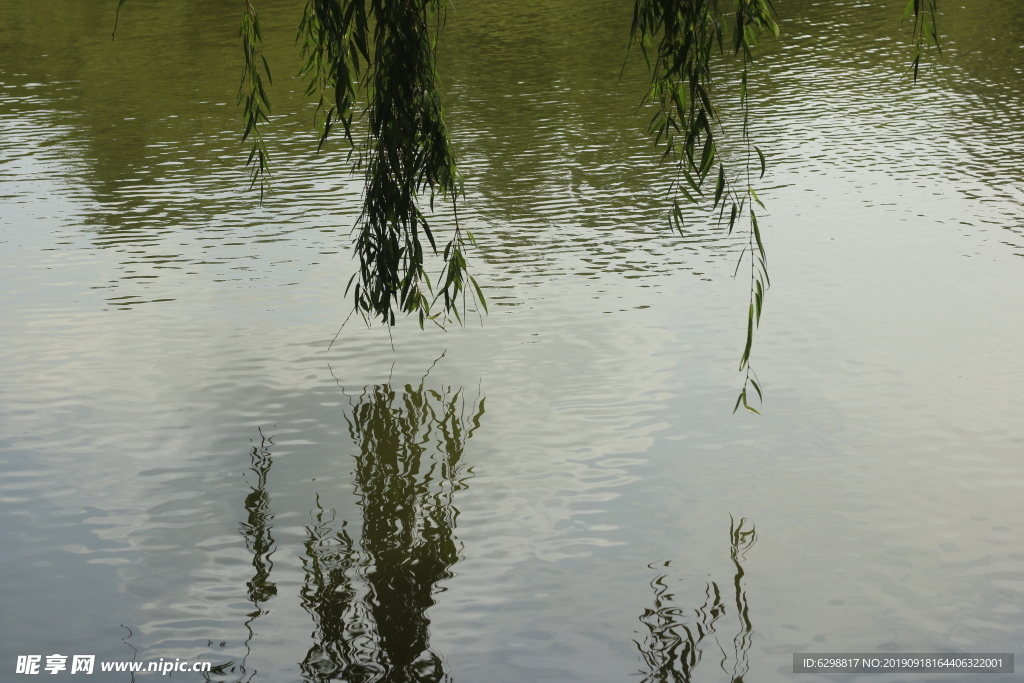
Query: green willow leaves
(407, 152)
(924, 31)
(385, 50)
(252, 95)
(382, 50)
(684, 37)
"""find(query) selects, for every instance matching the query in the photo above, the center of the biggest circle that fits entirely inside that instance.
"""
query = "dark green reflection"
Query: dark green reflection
(368, 598)
(677, 638)
(256, 531)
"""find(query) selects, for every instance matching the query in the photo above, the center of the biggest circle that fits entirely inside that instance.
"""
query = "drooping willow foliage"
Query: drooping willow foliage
(925, 32)
(683, 37)
(252, 96)
(379, 55)
(382, 50)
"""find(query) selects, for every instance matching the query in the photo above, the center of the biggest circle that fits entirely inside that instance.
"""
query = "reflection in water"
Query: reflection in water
(368, 592)
(369, 598)
(676, 636)
(256, 531)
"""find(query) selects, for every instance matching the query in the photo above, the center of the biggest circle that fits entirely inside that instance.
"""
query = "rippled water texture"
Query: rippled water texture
(562, 492)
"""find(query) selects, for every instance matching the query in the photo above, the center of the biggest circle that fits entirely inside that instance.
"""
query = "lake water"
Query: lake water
(561, 492)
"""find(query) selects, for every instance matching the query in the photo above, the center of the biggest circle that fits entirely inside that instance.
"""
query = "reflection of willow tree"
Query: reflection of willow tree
(256, 531)
(676, 637)
(369, 599)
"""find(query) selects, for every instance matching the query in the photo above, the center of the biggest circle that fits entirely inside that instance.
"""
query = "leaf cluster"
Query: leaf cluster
(384, 50)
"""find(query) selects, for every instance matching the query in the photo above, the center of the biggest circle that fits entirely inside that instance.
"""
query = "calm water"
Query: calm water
(556, 494)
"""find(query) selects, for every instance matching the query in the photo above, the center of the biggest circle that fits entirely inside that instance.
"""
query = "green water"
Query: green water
(555, 494)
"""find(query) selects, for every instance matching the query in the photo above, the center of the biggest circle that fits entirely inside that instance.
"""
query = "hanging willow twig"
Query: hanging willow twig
(924, 31)
(252, 95)
(407, 153)
(684, 37)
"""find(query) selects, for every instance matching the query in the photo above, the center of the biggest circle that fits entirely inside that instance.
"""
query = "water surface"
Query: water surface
(562, 492)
